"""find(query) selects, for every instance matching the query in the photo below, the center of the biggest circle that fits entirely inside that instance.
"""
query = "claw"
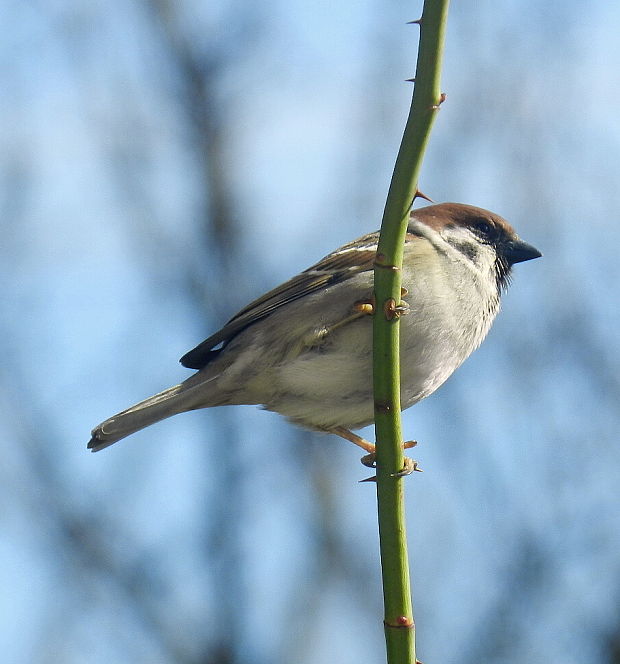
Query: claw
(369, 460)
(410, 466)
(402, 309)
(393, 310)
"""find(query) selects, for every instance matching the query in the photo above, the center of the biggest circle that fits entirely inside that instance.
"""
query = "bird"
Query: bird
(304, 349)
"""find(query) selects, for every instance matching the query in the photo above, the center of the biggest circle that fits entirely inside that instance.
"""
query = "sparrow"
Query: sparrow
(304, 349)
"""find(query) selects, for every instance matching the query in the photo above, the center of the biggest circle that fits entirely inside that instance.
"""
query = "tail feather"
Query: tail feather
(174, 400)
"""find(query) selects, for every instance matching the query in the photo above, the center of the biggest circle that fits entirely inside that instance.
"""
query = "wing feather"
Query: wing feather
(338, 266)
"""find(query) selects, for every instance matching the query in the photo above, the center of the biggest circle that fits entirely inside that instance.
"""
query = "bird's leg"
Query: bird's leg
(360, 309)
(370, 459)
(364, 308)
(356, 440)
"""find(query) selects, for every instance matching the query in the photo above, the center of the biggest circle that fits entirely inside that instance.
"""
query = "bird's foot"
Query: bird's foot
(370, 459)
(395, 310)
(409, 465)
(365, 306)
(361, 309)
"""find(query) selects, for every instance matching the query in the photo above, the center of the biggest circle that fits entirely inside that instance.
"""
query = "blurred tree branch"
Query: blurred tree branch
(70, 104)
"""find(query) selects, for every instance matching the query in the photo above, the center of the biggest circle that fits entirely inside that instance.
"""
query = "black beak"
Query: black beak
(517, 251)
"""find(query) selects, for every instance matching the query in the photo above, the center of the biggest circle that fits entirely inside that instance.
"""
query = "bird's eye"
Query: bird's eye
(485, 229)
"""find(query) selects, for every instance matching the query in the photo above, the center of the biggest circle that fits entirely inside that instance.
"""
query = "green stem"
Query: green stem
(399, 624)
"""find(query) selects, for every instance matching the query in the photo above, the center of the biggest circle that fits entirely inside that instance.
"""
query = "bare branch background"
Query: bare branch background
(156, 155)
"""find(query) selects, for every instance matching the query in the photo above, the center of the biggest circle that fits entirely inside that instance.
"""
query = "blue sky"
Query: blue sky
(516, 514)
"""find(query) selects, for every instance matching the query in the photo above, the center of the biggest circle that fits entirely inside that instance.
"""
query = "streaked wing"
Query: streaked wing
(338, 266)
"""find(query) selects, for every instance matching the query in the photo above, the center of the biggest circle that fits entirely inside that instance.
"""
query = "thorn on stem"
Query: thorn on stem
(442, 98)
(410, 80)
(419, 194)
(416, 22)
(369, 479)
